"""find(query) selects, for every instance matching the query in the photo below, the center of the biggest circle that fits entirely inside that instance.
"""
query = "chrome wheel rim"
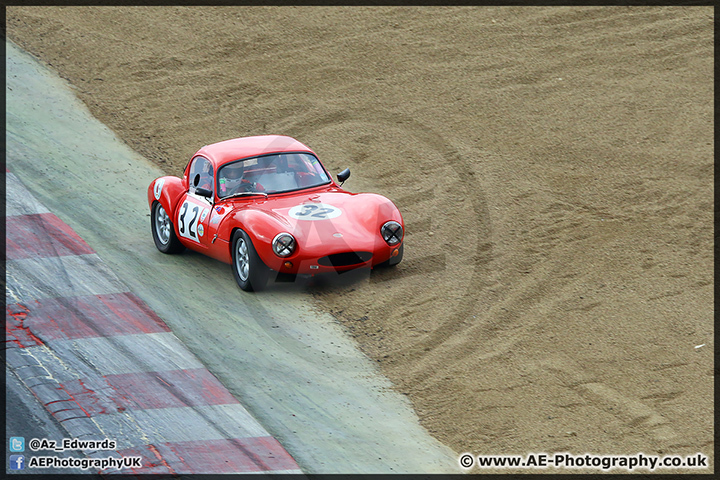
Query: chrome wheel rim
(242, 260)
(162, 225)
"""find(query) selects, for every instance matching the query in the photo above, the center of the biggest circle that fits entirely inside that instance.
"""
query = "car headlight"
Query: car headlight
(283, 244)
(392, 232)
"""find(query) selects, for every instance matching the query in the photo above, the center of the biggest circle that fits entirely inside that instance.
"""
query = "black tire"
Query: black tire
(163, 231)
(392, 261)
(250, 272)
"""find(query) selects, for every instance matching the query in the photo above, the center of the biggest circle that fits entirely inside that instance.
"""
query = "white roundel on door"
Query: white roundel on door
(314, 211)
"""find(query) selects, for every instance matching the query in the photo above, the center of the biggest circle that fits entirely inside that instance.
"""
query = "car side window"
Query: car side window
(201, 166)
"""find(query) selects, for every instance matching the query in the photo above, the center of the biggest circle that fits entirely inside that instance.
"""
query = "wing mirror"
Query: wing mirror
(344, 175)
(203, 192)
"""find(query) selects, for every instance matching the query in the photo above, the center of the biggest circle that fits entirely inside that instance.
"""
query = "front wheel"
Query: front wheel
(163, 231)
(250, 272)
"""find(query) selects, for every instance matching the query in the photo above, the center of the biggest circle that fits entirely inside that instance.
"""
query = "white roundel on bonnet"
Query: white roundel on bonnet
(314, 211)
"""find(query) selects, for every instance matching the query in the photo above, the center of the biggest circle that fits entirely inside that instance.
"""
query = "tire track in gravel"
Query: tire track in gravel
(446, 193)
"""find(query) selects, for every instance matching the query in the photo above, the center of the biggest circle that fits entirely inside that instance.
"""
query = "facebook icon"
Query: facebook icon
(17, 462)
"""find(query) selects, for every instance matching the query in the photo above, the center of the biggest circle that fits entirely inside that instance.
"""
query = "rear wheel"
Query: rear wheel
(163, 231)
(250, 272)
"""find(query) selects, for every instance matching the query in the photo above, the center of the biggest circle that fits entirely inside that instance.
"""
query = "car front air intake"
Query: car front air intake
(345, 259)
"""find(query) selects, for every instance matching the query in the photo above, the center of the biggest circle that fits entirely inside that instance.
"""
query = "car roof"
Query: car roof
(236, 148)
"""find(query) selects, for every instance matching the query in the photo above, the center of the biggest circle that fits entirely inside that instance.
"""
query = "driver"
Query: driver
(233, 180)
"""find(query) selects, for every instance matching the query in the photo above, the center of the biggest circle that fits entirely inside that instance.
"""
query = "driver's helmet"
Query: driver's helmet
(230, 176)
(234, 171)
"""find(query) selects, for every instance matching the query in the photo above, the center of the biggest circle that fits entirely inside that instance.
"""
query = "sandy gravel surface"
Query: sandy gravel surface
(554, 166)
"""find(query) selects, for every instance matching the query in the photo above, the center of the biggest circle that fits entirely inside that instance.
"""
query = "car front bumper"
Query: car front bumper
(332, 261)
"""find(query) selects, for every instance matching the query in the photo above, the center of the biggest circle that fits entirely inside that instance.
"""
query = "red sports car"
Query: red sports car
(266, 204)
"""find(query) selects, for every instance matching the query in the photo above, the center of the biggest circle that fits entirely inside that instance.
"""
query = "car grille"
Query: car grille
(344, 259)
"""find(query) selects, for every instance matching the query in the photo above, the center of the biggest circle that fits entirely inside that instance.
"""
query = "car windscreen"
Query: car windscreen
(274, 173)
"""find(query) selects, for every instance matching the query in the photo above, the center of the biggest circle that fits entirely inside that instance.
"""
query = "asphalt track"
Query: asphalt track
(295, 371)
(107, 368)
(32, 419)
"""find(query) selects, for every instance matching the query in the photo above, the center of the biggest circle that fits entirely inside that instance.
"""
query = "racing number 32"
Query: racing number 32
(314, 211)
(320, 211)
(188, 220)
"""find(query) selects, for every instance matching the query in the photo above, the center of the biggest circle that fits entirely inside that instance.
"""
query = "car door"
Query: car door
(193, 212)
